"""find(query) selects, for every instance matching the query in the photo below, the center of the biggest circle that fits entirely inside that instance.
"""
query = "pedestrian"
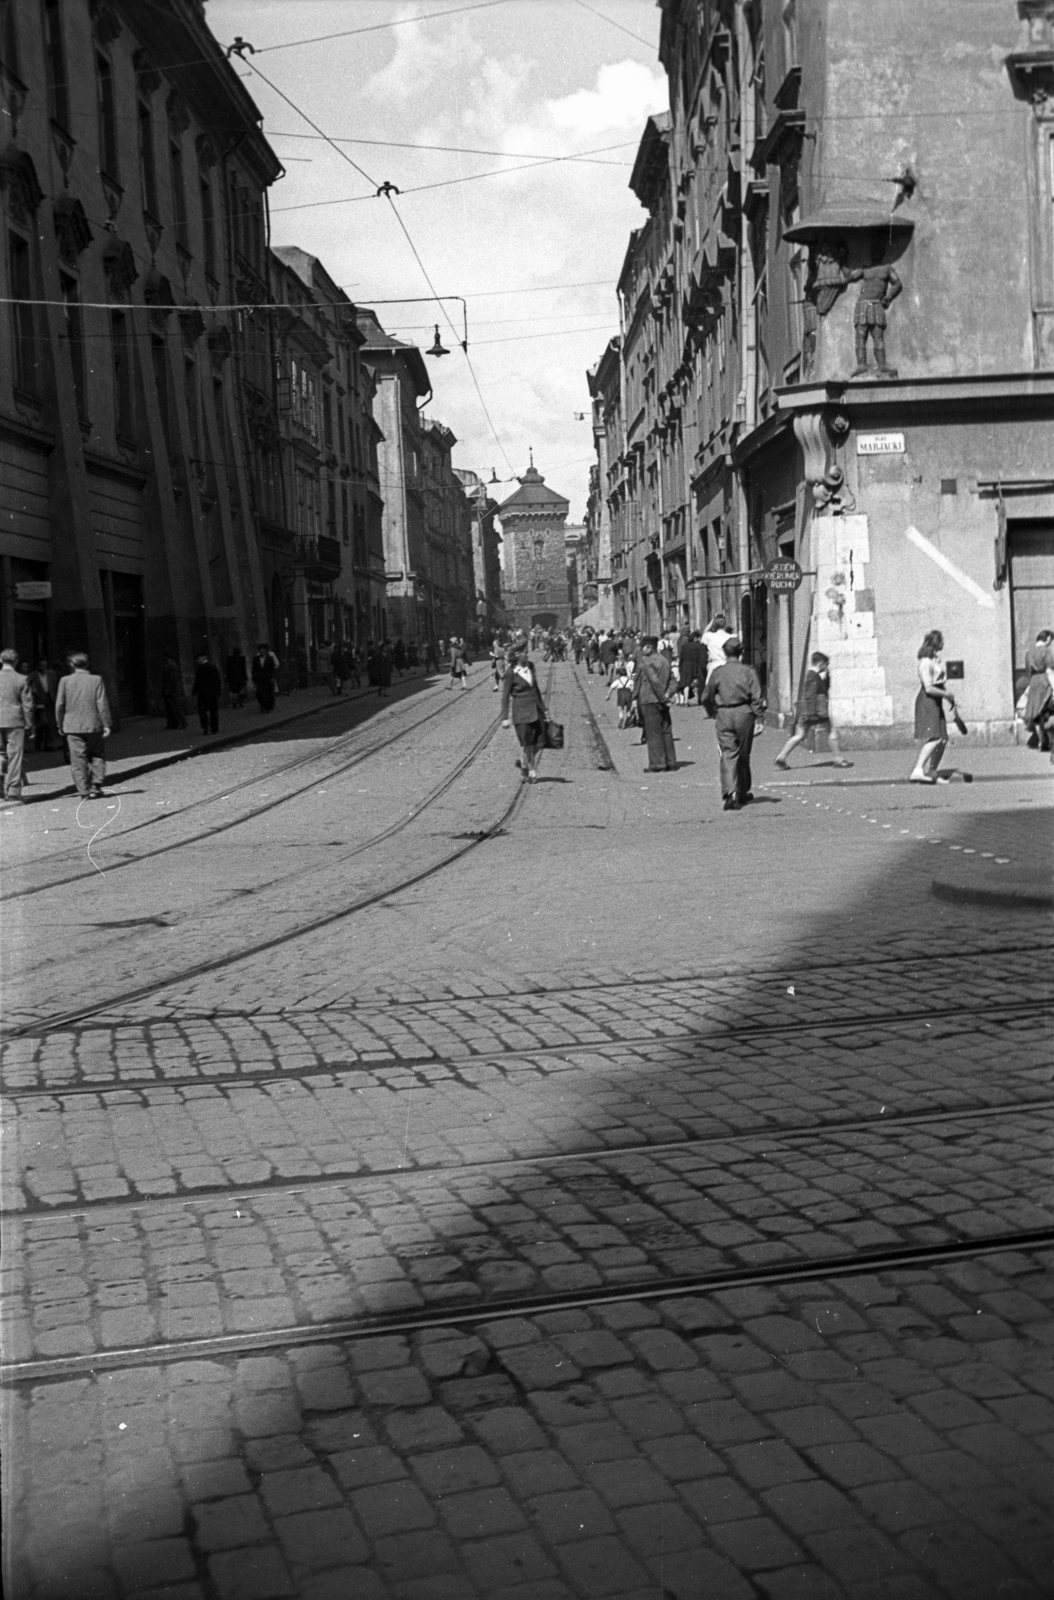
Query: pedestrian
(497, 664)
(265, 677)
(338, 669)
(458, 664)
(693, 662)
(172, 693)
(236, 671)
(651, 687)
(431, 656)
(592, 652)
(931, 727)
(1038, 712)
(82, 712)
(523, 708)
(399, 657)
(206, 691)
(622, 684)
(16, 719)
(607, 653)
(733, 697)
(323, 667)
(714, 638)
(44, 682)
(814, 711)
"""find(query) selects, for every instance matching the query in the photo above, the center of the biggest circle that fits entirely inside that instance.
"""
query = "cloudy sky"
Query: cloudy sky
(534, 248)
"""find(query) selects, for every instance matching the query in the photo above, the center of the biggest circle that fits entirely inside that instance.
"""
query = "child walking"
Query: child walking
(622, 683)
(814, 711)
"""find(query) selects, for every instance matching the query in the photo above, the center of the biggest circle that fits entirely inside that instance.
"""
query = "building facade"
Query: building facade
(315, 459)
(837, 346)
(486, 554)
(533, 519)
(400, 380)
(449, 583)
(132, 189)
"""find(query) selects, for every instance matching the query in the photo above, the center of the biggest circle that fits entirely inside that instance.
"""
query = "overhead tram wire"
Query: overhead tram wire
(376, 27)
(379, 189)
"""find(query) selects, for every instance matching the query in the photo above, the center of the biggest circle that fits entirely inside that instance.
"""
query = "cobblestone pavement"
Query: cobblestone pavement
(648, 1202)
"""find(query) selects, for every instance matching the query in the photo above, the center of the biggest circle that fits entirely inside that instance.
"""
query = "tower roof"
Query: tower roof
(533, 495)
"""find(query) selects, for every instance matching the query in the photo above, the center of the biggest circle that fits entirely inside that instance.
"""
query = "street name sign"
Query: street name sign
(783, 576)
(880, 444)
(38, 590)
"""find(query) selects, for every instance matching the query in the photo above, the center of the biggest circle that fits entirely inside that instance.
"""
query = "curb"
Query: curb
(220, 742)
(1012, 893)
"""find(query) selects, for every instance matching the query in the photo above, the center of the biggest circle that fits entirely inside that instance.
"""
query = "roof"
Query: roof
(532, 495)
(380, 344)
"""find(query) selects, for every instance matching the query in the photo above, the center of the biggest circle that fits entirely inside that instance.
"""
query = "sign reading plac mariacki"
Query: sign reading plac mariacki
(880, 444)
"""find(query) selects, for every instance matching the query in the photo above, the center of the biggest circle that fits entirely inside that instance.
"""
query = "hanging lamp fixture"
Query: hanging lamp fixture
(438, 348)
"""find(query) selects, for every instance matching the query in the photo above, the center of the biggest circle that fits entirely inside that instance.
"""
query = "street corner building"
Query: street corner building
(133, 183)
(536, 589)
(837, 348)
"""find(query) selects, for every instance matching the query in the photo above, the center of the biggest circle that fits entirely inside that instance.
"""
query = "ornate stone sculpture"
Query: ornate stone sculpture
(879, 287)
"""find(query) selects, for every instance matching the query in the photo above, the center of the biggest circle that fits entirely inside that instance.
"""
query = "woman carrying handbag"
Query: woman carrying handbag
(523, 708)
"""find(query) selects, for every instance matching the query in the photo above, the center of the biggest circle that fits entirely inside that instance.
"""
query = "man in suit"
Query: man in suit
(82, 712)
(16, 715)
(733, 695)
(652, 688)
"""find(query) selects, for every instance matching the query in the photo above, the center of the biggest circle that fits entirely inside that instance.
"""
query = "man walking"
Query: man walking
(172, 693)
(733, 695)
(652, 688)
(82, 712)
(206, 691)
(16, 716)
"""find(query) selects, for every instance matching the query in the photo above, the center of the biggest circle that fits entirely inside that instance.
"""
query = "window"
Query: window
(75, 338)
(55, 64)
(327, 418)
(190, 389)
(179, 194)
(307, 504)
(147, 167)
(305, 398)
(331, 507)
(107, 117)
(344, 512)
(208, 227)
(122, 375)
(340, 424)
(8, 37)
(22, 316)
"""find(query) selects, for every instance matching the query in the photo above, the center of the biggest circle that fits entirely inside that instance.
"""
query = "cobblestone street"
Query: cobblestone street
(421, 1186)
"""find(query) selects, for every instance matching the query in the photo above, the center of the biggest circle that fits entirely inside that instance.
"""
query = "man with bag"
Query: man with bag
(652, 691)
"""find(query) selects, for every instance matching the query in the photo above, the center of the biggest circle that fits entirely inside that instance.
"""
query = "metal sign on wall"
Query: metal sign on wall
(37, 590)
(783, 576)
(880, 444)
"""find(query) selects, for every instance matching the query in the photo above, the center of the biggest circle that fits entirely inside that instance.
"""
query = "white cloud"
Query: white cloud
(423, 57)
(626, 93)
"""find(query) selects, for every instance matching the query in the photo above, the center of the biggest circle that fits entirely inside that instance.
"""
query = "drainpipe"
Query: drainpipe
(748, 333)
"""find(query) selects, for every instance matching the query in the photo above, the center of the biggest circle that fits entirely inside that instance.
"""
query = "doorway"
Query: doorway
(129, 642)
(1030, 548)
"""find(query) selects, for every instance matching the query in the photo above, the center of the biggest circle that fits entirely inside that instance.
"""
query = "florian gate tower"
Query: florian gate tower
(534, 586)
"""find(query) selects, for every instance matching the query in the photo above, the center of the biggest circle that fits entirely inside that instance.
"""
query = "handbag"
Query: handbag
(554, 736)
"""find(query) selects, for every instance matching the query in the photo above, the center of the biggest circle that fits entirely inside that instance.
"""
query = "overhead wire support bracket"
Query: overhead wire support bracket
(427, 299)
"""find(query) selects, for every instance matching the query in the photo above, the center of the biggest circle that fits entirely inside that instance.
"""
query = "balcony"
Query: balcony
(319, 559)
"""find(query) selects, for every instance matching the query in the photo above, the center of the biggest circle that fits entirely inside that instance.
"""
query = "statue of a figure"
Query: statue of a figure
(879, 287)
(829, 274)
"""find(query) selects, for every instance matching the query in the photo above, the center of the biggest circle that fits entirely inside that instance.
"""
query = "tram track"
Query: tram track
(858, 1263)
(312, 925)
(719, 1036)
(274, 774)
(775, 1133)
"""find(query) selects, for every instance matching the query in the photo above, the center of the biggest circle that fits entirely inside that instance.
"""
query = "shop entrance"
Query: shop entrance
(1030, 547)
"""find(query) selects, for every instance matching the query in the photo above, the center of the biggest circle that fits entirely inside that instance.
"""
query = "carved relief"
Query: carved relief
(220, 346)
(178, 114)
(147, 75)
(18, 180)
(206, 152)
(114, 194)
(191, 324)
(819, 432)
(879, 287)
(71, 228)
(105, 20)
(118, 261)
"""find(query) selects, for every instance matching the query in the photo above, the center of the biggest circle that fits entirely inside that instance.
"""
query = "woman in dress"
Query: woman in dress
(458, 664)
(523, 708)
(930, 725)
(1039, 691)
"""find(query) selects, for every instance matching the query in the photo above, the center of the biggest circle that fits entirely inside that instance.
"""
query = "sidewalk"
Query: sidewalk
(144, 743)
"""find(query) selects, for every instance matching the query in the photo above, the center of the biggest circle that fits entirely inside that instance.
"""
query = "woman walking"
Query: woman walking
(931, 728)
(1039, 702)
(458, 663)
(523, 708)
